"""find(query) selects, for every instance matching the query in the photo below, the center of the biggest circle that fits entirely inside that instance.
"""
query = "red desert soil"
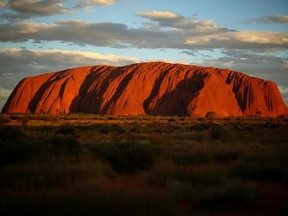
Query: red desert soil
(147, 88)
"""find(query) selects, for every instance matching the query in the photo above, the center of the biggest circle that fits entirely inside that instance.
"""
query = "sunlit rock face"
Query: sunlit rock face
(155, 88)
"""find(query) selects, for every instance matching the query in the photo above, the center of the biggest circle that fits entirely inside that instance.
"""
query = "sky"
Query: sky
(42, 36)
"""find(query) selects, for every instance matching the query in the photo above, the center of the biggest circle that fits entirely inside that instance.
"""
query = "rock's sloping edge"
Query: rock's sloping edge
(147, 88)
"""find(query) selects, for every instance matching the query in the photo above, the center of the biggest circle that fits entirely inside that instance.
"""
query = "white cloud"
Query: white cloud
(16, 64)
(166, 30)
(45, 7)
(89, 3)
(262, 37)
(283, 89)
(277, 18)
(156, 15)
(59, 58)
(76, 31)
(284, 92)
(240, 40)
(172, 20)
(201, 35)
(4, 93)
(26, 9)
(3, 4)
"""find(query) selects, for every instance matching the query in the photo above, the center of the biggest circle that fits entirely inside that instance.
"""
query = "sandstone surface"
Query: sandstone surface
(155, 88)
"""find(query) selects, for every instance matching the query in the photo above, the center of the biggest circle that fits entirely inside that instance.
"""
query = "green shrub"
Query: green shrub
(265, 163)
(23, 120)
(50, 173)
(17, 150)
(263, 171)
(14, 146)
(133, 130)
(205, 177)
(198, 127)
(66, 131)
(111, 118)
(230, 196)
(258, 113)
(165, 172)
(4, 119)
(11, 133)
(183, 191)
(226, 156)
(191, 158)
(171, 120)
(108, 128)
(126, 157)
(43, 117)
(218, 132)
(63, 145)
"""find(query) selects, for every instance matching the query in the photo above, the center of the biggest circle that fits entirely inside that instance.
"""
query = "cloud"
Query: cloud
(277, 18)
(25, 9)
(205, 34)
(283, 89)
(165, 30)
(16, 64)
(3, 4)
(172, 20)
(76, 31)
(4, 94)
(37, 59)
(42, 7)
(284, 92)
(252, 40)
(159, 15)
(89, 3)
(202, 34)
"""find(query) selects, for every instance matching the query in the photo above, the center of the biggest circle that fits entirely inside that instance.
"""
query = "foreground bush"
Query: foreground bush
(218, 132)
(62, 172)
(230, 197)
(126, 157)
(92, 201)
(11, 133)
(63, 145)
(4, 119)
(16, 147)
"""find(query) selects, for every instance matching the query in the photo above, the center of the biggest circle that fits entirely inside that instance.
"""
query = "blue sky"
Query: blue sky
(41, 36)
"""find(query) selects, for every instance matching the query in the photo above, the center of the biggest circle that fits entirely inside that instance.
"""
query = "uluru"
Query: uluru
(155, 88)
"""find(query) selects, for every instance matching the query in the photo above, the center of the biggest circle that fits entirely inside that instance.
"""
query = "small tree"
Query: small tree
(210, 115)
(4, 119)
(258, 113)
(23, 120)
